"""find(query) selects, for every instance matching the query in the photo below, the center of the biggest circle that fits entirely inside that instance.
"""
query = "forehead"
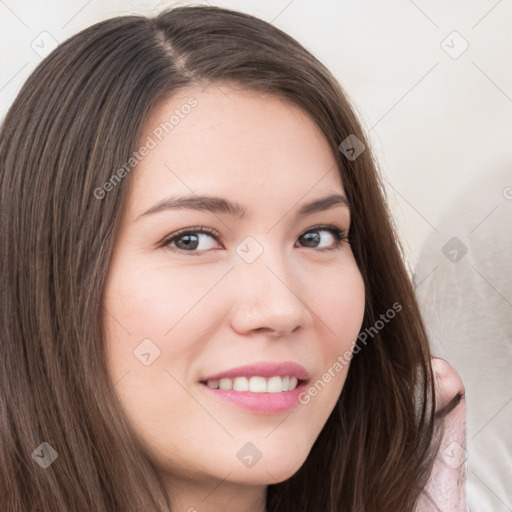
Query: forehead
(229, 141)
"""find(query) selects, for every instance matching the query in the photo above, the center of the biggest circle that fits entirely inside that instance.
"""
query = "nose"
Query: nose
(269, 298)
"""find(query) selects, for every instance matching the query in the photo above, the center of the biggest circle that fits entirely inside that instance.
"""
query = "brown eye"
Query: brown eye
(189, 240)
(313, 237)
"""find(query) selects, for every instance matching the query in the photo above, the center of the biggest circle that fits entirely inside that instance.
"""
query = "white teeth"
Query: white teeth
(241, 384)
(275, 385)
(255, 384)
(226, 384)
(258, 385)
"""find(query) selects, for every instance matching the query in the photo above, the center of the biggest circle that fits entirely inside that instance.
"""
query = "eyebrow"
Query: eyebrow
(220, 205)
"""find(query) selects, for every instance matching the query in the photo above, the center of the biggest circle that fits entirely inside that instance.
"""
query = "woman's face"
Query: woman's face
(270, 287)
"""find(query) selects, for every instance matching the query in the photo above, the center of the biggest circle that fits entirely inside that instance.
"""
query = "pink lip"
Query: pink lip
(266, 370)
(261, 403)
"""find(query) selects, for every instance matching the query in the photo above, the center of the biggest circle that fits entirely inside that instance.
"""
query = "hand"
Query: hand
(446, 488)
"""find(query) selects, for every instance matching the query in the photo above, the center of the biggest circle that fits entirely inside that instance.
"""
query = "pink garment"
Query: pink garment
(446, 488)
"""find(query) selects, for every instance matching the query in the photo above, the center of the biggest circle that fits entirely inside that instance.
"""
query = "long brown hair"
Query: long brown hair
(77, 120)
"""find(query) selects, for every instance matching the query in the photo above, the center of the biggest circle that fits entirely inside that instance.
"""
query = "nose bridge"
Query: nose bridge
(262, 262)
(267, 295)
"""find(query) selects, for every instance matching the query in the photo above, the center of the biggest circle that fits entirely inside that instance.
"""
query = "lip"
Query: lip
(261, 403)
(264, 369)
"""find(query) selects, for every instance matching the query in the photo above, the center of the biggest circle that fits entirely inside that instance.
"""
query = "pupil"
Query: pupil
(312, 237)
(190, 240)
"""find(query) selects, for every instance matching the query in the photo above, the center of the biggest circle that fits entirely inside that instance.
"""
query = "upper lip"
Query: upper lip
(265, 369)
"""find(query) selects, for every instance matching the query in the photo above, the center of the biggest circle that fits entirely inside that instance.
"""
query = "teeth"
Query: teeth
(226, 384)
(255, 384)
(241, 384)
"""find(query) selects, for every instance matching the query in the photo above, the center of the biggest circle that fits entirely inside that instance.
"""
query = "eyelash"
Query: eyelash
(340, 235)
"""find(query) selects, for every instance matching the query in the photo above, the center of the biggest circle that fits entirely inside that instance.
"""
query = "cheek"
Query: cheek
(339, 310)
(165, 311)
(340, 306)
(346, 305)
(157, 311)
(154, 300)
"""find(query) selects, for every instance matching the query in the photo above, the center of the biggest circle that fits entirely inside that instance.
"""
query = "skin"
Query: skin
(212, 310)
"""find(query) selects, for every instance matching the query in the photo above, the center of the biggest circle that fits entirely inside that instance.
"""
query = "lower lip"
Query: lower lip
(261, 403)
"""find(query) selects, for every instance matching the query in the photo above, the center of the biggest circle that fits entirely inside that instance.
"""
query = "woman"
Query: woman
(283, 366)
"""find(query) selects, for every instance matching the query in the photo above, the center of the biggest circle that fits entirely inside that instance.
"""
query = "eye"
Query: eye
(312, 237)
(189, 240)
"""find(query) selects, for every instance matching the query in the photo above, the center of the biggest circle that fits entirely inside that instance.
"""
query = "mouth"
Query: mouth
(258, 395)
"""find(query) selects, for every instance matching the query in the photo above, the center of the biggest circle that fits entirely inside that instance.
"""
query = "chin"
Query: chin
(268, 471)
